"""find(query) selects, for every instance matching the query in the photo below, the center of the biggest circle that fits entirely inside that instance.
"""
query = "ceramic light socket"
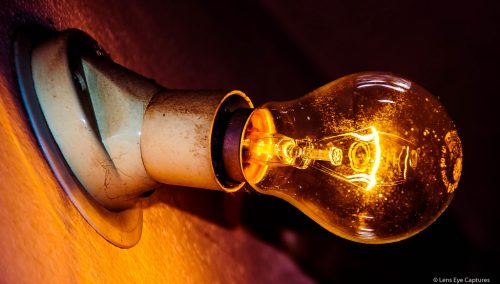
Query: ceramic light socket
(122, 134)
(182, 134)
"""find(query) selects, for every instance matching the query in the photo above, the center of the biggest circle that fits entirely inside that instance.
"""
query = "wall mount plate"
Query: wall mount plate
(121, 228)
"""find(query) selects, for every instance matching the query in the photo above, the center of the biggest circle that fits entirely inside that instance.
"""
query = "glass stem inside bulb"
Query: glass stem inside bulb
(364, 158)
(280, 150)
(332, 155)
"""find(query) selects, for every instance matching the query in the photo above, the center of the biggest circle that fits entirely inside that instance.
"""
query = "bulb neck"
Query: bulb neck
(231, 147)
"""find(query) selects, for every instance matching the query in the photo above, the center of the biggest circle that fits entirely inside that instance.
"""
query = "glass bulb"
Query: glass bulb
(371, 157)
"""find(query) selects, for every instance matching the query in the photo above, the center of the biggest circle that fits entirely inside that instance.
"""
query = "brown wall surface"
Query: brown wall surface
(273, 50)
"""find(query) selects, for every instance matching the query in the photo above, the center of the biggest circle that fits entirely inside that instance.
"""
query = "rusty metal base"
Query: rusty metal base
(121, 228)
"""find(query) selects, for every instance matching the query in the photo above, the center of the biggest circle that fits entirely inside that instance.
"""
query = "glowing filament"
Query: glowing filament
(354, 157)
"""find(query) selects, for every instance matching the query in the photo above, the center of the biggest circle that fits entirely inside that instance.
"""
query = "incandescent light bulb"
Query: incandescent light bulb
(371, 157)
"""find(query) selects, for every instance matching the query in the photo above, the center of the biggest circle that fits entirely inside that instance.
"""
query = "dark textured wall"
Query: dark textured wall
(281, 50)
